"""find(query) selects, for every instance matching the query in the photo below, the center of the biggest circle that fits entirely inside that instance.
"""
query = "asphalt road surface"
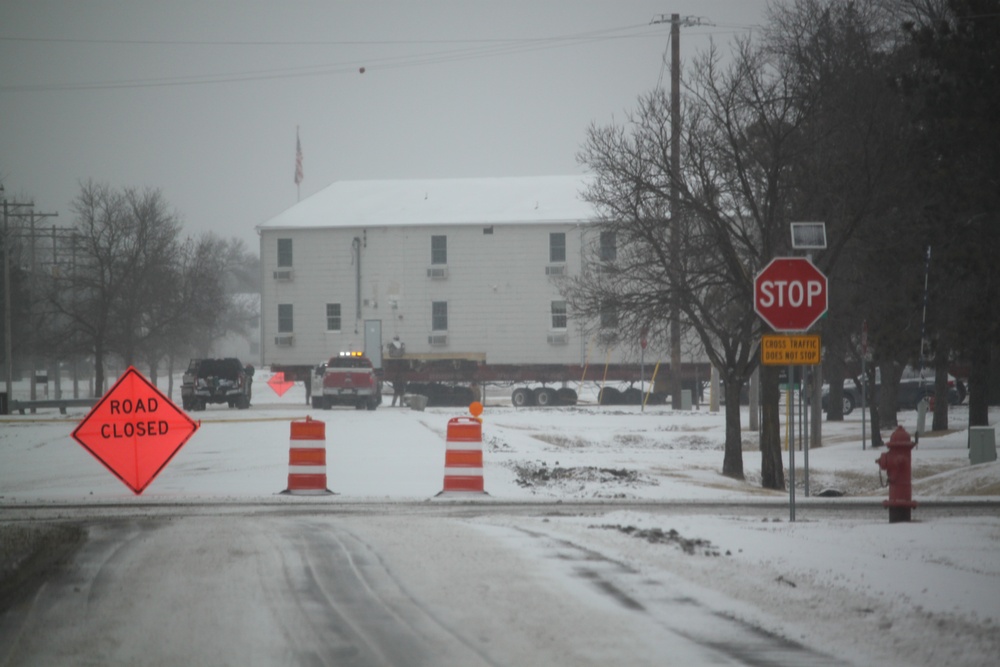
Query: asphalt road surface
(393, 585)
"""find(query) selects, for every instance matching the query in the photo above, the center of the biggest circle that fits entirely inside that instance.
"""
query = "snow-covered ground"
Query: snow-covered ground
(924, 592)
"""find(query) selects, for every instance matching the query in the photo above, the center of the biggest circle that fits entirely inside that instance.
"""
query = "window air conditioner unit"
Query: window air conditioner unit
(558, 339)
(438, 339)
(284, 275)
(555, 270)
(284, 341)
(437, 272)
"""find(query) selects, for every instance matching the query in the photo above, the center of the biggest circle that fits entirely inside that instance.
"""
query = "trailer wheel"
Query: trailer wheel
(566, 396)
(544, 396)
(317, 402)
(609, 396)
(522, 397)
(632, 396)
(464, 396)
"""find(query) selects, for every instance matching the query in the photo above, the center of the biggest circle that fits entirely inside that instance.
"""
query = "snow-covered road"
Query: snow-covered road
(266, 588)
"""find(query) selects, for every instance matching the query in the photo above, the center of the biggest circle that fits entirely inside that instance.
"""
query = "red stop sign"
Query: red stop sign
(790, 294)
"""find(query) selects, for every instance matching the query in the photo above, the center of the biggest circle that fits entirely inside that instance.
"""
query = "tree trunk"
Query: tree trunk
(872, 403)
(98, 370)
(887, 399)
(836, 370)
(772, 472)
(978, 385)
(941, 407)
(732, 462)
(170, 377)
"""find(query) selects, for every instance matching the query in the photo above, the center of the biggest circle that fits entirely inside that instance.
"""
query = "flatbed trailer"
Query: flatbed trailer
(459, 380)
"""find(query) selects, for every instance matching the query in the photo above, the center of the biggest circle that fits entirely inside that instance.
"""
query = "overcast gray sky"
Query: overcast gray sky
(201, 99)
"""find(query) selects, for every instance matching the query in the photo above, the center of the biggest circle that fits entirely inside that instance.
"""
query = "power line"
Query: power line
(350, 42)
(482, 49)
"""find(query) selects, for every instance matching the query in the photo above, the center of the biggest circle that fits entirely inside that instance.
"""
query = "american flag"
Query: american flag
(298, 158)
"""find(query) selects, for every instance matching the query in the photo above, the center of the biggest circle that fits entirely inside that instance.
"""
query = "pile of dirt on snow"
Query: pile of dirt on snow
(533, 475)
(659, 536)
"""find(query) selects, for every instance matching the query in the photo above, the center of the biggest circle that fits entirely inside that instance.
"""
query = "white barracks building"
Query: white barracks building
(430, 270)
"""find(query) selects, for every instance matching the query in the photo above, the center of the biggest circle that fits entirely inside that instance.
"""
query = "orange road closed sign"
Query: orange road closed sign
(790, 350)
(134, 430)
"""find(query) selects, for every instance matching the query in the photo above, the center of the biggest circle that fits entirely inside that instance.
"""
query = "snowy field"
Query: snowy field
(920, 593)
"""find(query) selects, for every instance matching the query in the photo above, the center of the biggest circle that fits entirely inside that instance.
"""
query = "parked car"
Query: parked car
(913, 387)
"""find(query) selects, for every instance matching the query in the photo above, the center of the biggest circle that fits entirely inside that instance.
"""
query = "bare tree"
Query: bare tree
(739, 141)
(778, 135)
(148, 258)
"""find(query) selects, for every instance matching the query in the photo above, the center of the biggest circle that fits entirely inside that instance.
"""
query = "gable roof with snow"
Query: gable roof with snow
(392, 203)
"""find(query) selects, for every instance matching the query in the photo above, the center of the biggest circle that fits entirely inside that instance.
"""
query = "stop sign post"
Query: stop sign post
(790, 294)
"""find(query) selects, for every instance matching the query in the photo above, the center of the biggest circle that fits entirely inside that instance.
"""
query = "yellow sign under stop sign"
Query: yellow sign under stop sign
(790, 350)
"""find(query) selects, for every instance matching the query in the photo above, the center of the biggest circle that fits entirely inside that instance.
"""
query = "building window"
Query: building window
(609, 249)
(284, 252)
(609, 316)
(557, 247)
(286, 324)
(333, 317)
(439, 250)
(558, 314)
(439, 315)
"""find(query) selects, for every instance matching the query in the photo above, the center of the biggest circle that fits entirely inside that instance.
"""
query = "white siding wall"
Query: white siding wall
(498, 294)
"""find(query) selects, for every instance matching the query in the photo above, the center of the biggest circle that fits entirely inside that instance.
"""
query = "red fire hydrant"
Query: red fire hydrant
(896, 463)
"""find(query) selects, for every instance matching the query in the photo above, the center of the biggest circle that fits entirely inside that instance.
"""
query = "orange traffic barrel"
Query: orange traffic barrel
(463, 458)
(307, 458)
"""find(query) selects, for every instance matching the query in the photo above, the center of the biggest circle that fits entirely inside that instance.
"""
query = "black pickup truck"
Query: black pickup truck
(216, 381)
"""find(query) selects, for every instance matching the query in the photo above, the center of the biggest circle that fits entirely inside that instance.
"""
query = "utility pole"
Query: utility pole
(7, 236)
(7, 346)
(675, 218)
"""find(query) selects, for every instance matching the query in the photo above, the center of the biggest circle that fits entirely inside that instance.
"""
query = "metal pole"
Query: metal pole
(805, 436)
(864, 384)
(7, 347)
(791, 446)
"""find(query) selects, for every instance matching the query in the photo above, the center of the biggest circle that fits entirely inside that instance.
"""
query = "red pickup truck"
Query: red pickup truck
(347, 379)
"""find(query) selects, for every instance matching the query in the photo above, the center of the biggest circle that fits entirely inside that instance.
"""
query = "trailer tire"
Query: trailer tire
(545, 397)
(566, 396)
(632, 396)
(522, 397)
(317, 402)
(609, 396)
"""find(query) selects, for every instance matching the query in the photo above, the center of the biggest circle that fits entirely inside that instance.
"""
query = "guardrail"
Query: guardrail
(61, 403)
